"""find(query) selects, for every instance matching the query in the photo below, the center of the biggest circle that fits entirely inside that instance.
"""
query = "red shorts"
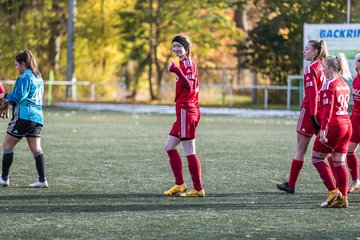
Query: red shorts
(187, 120)
(338, 139)
(304, 125)
(355, 122)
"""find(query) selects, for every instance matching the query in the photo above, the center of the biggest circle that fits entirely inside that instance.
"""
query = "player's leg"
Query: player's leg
(8, 155)
(297, 163)
(189, 121)
(194, 169)
(332, 167)
(305, 131)
(352, 158)
(302, 144)
(343, 179)
(325, 174)
(339, 157)
(175, 162)
(353, 165)
(33, 139)
(34, 144)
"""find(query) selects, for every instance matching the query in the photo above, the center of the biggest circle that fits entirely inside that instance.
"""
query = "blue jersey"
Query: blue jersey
(26, 97)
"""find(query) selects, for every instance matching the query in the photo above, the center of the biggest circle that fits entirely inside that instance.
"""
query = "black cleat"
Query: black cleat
(283, 186)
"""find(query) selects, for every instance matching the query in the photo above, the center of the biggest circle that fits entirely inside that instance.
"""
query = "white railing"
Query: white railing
(120, 88)
(167, 89)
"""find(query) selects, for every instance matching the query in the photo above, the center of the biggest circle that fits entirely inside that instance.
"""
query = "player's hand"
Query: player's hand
(5, 113)
(170, 65)
(322, 136)
(315, 122)
(4, 108)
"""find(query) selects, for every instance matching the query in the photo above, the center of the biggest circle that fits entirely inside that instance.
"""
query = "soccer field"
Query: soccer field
(107, 172)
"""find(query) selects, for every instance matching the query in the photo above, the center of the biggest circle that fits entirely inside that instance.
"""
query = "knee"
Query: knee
(316, 158)
(37, 153)
(168, 147)
(189, 150)
(7, 146)
(34, 149)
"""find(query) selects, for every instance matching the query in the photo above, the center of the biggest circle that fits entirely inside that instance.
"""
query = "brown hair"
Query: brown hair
(321, 47)
(28, 58)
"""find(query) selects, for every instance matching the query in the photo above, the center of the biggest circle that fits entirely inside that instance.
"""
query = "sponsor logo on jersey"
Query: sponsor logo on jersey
(309, 84)
(339, 88)
(303, 130)
(356, 92)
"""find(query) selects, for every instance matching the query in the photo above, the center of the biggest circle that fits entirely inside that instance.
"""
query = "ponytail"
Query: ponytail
(29, 60)
(321, 47)
(340, 65)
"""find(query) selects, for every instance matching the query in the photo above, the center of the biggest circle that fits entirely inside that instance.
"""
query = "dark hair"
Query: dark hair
(184, 41)
(28, 58)
(321, 47)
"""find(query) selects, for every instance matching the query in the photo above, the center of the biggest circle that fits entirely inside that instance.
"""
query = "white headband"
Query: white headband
(357, 55)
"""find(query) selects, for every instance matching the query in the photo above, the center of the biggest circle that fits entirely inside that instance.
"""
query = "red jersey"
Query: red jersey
(189, 69)
(334, 97)
(313, 81)
(356, 96)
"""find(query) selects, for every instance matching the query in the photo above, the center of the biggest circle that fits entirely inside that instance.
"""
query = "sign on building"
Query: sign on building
(343, 38)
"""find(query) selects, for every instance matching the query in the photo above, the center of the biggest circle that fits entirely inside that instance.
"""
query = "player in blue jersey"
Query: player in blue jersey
(27, 120)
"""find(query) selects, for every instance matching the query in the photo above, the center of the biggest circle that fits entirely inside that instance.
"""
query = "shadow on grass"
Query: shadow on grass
(78, 203)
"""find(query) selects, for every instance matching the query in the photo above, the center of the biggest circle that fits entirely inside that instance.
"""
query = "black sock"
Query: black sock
(40, 166)
(6, 164)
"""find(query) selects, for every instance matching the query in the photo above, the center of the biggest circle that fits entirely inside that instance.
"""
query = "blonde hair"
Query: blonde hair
(339, 65)
(321, 47)
(356, 56)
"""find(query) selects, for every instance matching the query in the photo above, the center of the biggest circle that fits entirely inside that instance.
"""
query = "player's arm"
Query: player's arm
(184, 80)
(328, 105)
(311, 91)
(20, 90)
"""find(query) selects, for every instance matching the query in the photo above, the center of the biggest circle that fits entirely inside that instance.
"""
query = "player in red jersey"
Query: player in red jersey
(308, 124)
(187, 118)
(352, 159)
(335, 131)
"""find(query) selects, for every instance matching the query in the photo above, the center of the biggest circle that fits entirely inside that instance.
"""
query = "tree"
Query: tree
(57, 25)
(276, 41)
(208, 23)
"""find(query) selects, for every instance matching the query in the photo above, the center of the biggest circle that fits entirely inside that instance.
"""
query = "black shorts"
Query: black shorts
(24, 128)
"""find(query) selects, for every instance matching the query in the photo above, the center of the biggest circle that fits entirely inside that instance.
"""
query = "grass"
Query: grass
(107, 172)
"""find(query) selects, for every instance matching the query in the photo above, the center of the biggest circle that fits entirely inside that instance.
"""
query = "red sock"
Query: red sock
(176, 166)
(195, 171)
(353, 164)
(343, 177)
(325, 174)
(295, 170)
(332, 167)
